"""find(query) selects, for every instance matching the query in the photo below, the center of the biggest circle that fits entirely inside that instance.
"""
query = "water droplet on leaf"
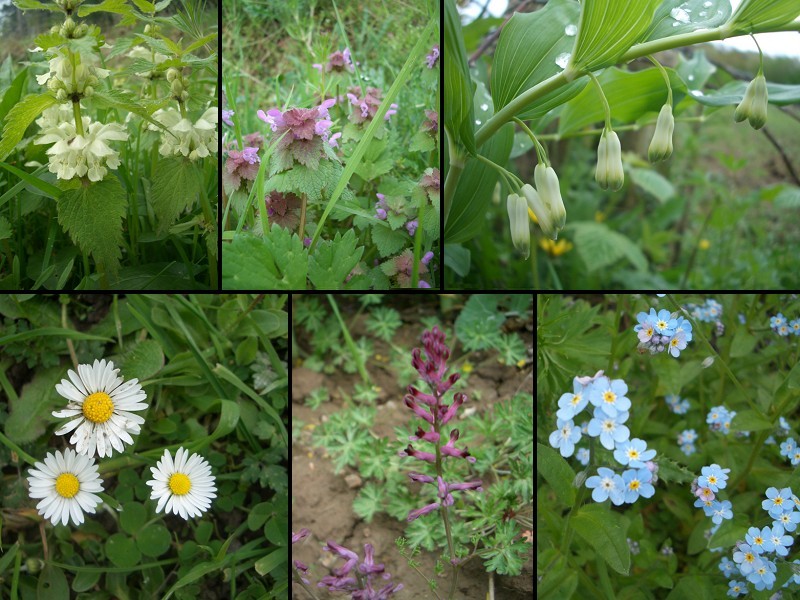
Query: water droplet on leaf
(680, 15)
(570, 30)
(477, 122)
(562, 60)
(707, 4)
(691, 77)
(484, 106)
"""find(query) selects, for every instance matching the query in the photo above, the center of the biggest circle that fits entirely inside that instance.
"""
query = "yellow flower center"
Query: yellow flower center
(673, 342)
(67, 485)
(661, 324)
(712, 479)
(576, 399)
(759, 540)
(634, 484)
(180, 484)
(98, 407)
(650, 331)
(633, 453)
(778, 501)
(609, 396)
(749, 557)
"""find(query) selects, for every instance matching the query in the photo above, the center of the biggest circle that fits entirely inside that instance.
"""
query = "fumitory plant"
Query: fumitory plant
(331, 179)
(555, 73)
(118, 140)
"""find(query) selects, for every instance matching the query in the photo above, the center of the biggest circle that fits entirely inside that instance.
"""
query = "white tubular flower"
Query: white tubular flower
(56, 115)
(82, 155)
(753, 106)
(70, 79)
(609, 173)
(184, 486)
(194, 141)
(518, 219)
(550, 193)
(661, 145)
(543, 214)
(66, 483)
(101, 404)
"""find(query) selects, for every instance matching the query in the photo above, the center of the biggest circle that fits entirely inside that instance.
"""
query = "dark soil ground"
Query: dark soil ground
(322, 501)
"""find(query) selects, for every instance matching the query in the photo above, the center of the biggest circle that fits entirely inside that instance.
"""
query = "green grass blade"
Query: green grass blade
(413, 62)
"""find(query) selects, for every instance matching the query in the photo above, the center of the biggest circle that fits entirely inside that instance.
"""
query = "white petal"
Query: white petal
(69, 426)
(75, 510)
(77, 382)
(161, 502)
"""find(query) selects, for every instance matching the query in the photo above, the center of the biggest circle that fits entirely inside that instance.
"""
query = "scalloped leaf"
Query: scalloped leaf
(333, 260)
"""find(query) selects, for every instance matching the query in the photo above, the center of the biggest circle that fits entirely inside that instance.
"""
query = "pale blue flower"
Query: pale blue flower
(746, 558)
(714, 477)
(763, 575)
(606, 484)
(721, 510)
(777, 502)
(637, 483)
(570, 405)
(583, 456)
(609, 396)
(727, 567)
(789, 520)
(737, 588)
(780, 541)
(610, 429)
(565, 437)
(633, 453)
(760, 540)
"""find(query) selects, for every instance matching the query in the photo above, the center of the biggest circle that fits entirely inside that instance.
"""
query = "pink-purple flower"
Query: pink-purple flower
(240, 166)
(367, 106)
(226, 117)
(433, 57)
(411, 227)
(362, 585)
(302, 131)
(338, 62)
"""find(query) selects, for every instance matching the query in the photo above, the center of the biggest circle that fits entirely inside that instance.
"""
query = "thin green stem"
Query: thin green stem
(500, 170)
(76, 111)
(604, 100)
(417, 246)
(631, 127)
(760, 56)
(664, 75)
(540, 151)
(457, 162)
(14, 448)
(351, 345)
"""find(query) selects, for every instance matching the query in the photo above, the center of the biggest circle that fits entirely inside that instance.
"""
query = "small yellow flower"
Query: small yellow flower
(599, 216)
(466, 368)
(704, 244)
(558, 248)
(521, 363)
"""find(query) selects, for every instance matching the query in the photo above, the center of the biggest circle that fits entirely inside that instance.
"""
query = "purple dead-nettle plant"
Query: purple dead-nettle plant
(367, 106)
(240, 167)
(433, 58)
(431, 408)
(338, 62)
(302, 133)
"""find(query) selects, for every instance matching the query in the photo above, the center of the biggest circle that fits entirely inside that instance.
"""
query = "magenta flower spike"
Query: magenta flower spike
(432, 368)
(361, 584)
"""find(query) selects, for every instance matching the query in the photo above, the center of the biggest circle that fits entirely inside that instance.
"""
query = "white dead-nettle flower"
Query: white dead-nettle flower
(100, 403)
(57, 115)
(70, 75)
(609, 173)
(661, 145)
(184, 138)
(75, 155)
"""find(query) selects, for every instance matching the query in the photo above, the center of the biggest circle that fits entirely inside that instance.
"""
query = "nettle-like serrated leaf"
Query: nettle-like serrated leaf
(372, 170)
(49, 40)
(176, 186)
(5, 228)
(430, 222)
(123, 100)
(670, 471)
(302, 180)
(92, 215)
(333, 260)
(19, 117)
(307, 152)
(352, 132)
(388, 241)
(277, 261)
(422, 142)
(368, 502)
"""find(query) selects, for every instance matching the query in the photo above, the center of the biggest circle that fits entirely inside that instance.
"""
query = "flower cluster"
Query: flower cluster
(367, 106)
(302, 133)
(338, 62)
(719, 419)
(611, 406)
(661, 331)
(677, 405)
(80, 153)
(686, 440)
(708, 312)
(401, 268)
(780, 325)
(429, 407)
(185, 138)
(751, 557)
(433, 58)
(712, 479)
(99, 406)
(362, 584)
(72, 74)
(241, 166)
(283, 209)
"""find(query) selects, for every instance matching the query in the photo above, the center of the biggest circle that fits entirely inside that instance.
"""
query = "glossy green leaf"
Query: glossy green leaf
(605, 531)
(695, 71)
(478, 180)
(608, 28)
(52, 584)
(600, 246)
(526, 55)
(732, 93)
(84, 581)
(154, 540)
(132, 517)
(143, 360)
(458, 87)
(30, 413)
(557, 472)
(630, 96)
(763, 14)
(750, 420)
(673, 17)
(122, 551)
(653, 183)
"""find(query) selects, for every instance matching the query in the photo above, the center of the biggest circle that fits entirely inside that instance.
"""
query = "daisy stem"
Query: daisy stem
(14, 448)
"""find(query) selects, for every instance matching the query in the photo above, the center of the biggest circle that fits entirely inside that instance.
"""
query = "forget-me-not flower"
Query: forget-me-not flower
(565, 437)
(633, 453)
(610, 429)
(606, 484)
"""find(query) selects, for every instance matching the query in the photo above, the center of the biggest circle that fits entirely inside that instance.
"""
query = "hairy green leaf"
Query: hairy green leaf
(92, 215)
(333, 260)
(19, 117)
(599, 246)
(605, 531)
(278, 261)
(176, 187)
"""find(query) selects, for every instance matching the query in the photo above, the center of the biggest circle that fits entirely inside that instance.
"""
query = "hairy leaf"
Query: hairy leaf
(278, 261)
(19, 117)
(333, 260)
(175, 187)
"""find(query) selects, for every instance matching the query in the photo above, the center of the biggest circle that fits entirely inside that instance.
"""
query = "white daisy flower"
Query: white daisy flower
(185, 485)
(65, 482)
(102, 405)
